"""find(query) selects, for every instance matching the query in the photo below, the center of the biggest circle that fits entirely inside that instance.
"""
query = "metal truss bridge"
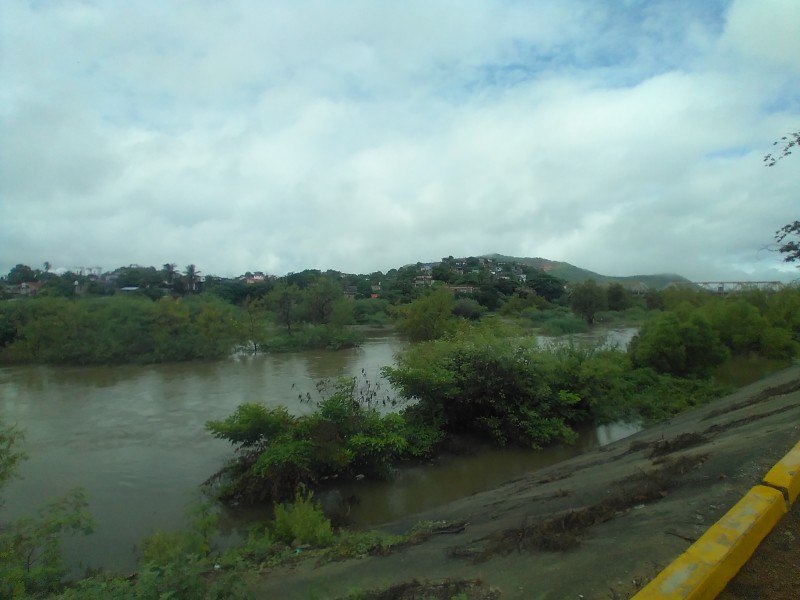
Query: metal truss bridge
(724, 288)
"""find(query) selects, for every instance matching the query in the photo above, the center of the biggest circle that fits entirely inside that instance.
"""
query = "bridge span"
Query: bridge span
(734, 287)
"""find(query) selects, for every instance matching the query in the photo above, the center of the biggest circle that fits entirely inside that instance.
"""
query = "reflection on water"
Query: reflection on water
(135, 439)
(605, 338)
(427, 486)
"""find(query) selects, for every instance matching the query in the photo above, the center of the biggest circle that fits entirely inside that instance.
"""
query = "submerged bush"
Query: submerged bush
(488, 386)
(563, 326)
(344, 437)
(683, 347)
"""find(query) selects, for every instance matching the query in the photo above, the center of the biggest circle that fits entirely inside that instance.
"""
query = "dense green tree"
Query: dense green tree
(303, 279)
(374, 311)
(428, 317)
(782, 309)
(618, 297)
(136, 276)
(545, 285)
(670, 345)
(490, 387)
(587, 299)
(217, 330)
(53, 285)
(518, 303)
(284, 301)
(20, 274)
(443, 272)
(320, 297)
(342, 313)
(398, 287)
(171, 323)
(237, 291)
(468, 308)
(739, 324)
(653, 300)
(118, 329)
(488, 297)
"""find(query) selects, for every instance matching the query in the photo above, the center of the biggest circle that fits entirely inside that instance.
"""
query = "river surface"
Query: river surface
(134, 439)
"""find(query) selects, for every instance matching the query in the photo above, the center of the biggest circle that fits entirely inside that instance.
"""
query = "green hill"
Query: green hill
(572, 274)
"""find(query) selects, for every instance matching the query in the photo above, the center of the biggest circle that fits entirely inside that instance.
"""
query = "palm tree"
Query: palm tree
(191, 277)
(169, 272)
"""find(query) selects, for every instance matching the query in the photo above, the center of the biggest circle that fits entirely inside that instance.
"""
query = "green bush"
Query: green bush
(117, 330)
(371, 311)
(469, 309)
(563, 326)
(688, 347)
(302, 522)
(345, 436)
(487, 386)
(307, 337)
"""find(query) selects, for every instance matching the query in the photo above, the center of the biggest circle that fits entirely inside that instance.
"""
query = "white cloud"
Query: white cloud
(622, 137)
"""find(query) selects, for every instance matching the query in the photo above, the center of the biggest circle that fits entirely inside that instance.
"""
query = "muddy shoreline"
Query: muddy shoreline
(597, 526)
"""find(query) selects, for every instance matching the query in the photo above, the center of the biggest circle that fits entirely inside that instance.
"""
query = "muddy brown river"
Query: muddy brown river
(134, 439)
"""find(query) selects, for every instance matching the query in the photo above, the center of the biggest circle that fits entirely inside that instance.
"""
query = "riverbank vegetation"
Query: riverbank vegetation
(490, 380)
(31, 560)
(146, 315)
(485, 378)
(183, 563)
(344, 437)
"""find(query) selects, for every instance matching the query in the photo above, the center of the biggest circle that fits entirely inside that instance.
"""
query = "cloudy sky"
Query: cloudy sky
(622, 136)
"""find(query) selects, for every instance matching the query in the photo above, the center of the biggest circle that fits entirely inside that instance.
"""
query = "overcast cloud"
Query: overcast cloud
(625, 137)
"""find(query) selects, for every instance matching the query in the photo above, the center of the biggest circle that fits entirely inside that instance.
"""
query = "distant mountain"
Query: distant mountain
(572, 274)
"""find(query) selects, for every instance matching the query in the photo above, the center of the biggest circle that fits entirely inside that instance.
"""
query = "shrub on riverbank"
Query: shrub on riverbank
(116, 330)
(487, 386)
(31, 561)
(312, 337)
(344, 437)
(511, 391)
(703, 330)
(134, 329)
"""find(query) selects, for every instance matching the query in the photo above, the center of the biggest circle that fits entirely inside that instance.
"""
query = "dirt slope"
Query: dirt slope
(598, 526)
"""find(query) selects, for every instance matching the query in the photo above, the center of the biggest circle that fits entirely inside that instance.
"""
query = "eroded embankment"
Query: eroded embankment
(597, 526)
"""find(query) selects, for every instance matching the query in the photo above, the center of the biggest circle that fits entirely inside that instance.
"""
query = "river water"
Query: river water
(134, 439)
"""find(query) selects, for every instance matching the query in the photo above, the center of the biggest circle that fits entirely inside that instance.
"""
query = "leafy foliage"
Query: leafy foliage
(790, 248)
(789, 141)
(117, 330)
(671, 345)
(429, 317)
(587, 299)
(702, 330)
(302, 522)
(10, 453)
(488, 386)
(346, 436)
